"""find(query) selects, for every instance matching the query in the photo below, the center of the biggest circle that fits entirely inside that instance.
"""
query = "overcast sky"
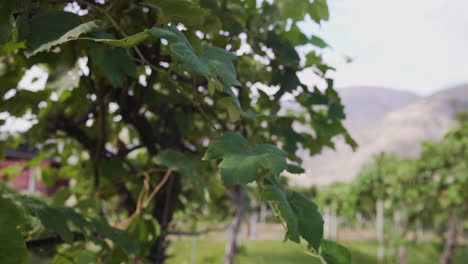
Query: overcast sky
(414, 45)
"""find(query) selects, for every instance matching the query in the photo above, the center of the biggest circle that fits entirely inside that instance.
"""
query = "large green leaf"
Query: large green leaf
(240, 162)
(127, 42)
(299, 212)
(284, 50)
(309, 219)
(293, 9)
(318, 42)
(179, 161)
(334, 253)
(12, 247)
(274, 192)
(53, 220)
(220, 63)
(113, 62)
(213, 61)
(182, 49)
(7, 9)
(318, 11)
(65, 221)
(44, 31)
(178, 11)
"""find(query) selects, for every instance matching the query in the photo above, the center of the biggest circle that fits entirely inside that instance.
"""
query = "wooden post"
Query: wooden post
(326, 220)
(233, 242)
(380, 230)
(450, 240)
(193, 256)
(263, 212)
(333, 225)
(253, 219)
(399, 224)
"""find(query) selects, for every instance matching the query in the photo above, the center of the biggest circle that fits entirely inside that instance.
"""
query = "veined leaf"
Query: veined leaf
(241, 162)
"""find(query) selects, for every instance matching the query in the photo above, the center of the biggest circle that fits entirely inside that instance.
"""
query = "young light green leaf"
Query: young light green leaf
(334, 253)
(127, 42)
(240, 162)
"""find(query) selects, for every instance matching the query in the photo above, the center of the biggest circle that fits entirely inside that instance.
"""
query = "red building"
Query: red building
(29, 178)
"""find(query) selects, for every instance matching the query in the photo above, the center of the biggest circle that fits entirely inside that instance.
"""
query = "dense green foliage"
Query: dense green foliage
(136, 91)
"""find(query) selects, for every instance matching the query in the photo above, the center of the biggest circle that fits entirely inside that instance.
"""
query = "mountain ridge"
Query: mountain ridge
(400, 131)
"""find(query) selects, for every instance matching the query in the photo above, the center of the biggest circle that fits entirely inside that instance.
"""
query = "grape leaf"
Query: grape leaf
(178, 11)
(334, 253)
(220, 63)
(12, 247)
(241, 162)
(284, 50)
(318, 42)
(179, 161)
(273, 191)
(318, 11)
(44, 31)
(309, 219)
(295, 169)
(212, 61)
(293, 9)
(65, 221)
(113, 62)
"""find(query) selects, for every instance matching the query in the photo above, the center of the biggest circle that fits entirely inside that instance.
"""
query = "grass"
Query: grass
(276, 252)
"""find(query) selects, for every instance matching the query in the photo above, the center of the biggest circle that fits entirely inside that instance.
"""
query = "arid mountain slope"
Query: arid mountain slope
(400, 131)
(366, 105)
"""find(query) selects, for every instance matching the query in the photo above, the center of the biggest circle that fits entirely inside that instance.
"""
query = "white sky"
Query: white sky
(414, 45)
